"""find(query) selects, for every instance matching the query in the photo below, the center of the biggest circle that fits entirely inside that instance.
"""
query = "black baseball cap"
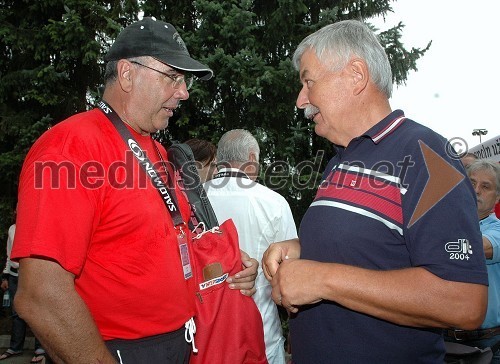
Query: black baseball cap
(157, 39)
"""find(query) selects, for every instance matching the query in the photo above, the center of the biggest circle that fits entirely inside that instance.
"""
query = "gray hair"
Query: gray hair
(486, 165)
(111, 72)
(337, 43)
(236, 145)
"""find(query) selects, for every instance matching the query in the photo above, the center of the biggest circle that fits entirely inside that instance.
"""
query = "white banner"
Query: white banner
(490, 149)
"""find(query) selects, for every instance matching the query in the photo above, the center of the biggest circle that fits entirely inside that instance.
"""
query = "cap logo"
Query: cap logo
(180, 42)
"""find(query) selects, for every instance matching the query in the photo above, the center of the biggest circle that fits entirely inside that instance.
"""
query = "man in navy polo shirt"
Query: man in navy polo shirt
(390, 251)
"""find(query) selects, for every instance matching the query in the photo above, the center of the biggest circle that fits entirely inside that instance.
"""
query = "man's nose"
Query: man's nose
(302, 99)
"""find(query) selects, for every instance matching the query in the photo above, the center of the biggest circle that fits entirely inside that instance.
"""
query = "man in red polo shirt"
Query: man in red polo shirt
(105, 269)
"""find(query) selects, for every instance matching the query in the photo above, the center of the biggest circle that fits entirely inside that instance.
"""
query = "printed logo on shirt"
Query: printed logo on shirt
(443, 178)
(459, 250)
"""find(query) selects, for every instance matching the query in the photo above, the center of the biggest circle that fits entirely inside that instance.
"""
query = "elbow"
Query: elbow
(473, 321)
(473, 310)
(22, 305)
(27, 306)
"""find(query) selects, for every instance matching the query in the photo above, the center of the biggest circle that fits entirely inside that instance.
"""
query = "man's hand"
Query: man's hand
(297, 282)
(5, 284)
(277, 253)
(245, 279)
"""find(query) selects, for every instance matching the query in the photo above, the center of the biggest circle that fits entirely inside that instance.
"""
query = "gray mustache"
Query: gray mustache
(310, 111)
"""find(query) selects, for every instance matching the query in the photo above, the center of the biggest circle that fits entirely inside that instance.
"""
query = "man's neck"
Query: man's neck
(118, 104)
(484, 215)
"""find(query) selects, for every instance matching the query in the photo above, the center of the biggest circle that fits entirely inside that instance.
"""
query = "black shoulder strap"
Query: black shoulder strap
(181, 156)
(167, 193)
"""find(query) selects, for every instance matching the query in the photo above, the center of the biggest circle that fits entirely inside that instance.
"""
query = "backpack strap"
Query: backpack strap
(182, 158)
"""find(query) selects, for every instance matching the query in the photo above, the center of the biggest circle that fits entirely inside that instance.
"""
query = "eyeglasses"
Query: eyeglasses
(178, 80)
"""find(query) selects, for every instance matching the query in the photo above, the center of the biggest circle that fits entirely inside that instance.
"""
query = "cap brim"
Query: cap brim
(187, 64)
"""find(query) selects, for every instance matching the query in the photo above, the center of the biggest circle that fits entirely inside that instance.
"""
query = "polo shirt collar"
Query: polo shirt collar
(488, 219)
(386, 126)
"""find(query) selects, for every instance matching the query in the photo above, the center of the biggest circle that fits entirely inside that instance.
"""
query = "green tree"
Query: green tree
(51, 66)
(249, 44)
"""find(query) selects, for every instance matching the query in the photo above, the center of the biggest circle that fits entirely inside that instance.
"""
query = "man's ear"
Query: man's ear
(252, 166)
(360, 75)
(125, 73)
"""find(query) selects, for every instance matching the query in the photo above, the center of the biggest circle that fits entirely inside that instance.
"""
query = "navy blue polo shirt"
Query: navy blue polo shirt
(378, 208)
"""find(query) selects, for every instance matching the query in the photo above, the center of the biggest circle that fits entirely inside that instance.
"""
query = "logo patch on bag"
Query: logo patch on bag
(212, 270)
(213, 282)
(213, 275)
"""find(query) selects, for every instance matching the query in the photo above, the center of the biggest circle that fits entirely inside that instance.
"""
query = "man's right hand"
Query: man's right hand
(278, 252)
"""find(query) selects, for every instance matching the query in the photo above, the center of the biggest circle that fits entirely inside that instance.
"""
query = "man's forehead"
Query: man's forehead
(483, 174)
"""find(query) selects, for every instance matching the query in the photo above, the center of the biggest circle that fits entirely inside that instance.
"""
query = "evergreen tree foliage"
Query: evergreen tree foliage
(51, 66)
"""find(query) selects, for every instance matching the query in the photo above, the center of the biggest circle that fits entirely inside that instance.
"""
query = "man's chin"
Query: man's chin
(318, 130)
(162, 125)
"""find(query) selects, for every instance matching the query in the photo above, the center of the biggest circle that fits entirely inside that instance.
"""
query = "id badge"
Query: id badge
(184, 250)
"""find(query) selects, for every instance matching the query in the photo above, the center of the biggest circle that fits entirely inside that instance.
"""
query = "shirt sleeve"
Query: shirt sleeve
(56, 212)
(492, 233)
(441, 224)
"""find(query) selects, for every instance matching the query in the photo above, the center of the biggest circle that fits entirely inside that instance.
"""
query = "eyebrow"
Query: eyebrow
(303, 74)
(487, 183)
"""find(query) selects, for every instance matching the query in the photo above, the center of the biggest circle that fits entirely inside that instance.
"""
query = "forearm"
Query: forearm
(60, 320)
(488, 248)
(413, 296)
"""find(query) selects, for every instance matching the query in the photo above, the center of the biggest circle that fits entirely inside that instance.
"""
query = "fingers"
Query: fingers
(248, 274)
(281, 293)
(248, 292)
(279, 300)
(245, 257)
(276, 253)
(245, 279)
(271, 260)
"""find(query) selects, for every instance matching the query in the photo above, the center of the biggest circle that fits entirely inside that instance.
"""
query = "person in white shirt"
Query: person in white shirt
(261, 217)
(10, 276)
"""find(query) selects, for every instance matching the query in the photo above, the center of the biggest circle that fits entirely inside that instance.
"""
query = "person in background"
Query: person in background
(375, 277)
(105, 273)
(468, 158)
(18, 332)
(204, 154)
(261, 217)
(485, 178)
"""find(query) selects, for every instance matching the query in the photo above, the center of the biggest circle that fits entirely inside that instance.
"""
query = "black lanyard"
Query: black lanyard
(166, 192)
(224, 174)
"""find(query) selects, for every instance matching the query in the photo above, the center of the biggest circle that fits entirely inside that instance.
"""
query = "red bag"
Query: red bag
(228, 324)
